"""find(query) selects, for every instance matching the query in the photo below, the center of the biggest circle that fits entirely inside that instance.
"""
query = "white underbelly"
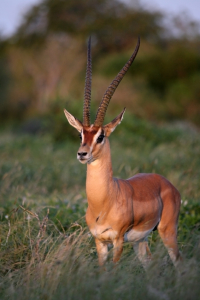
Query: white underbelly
(135, 235)
(103, 234)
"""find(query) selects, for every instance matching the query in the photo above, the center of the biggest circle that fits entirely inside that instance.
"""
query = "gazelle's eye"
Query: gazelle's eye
(100, 138)
(80, 136)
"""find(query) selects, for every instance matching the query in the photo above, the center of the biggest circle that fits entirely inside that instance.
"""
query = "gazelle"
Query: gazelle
(121, 210)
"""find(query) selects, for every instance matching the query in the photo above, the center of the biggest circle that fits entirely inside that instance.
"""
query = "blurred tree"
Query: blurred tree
(43, 75)
(112, 23)
(5, 78)
(45, 60)
(164, 68)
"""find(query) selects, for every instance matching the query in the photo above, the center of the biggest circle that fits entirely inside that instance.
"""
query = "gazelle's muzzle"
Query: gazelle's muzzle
(84, 154)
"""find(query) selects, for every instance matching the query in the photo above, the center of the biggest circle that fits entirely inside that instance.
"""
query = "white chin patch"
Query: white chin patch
(83, 161)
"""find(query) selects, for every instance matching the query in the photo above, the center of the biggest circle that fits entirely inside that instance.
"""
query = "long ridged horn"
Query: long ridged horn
(87, 93)
(112, 87)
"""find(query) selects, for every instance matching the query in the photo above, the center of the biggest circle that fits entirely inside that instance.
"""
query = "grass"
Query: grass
(46, 250)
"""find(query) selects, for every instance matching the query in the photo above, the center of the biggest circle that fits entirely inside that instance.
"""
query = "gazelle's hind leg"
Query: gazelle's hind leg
(167, 227)
(168, 235)
(143, 252)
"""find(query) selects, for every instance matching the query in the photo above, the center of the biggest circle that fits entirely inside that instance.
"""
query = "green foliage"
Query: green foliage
(190, 216)
(148, 132)
(164, 68)
(183, 99)
(169, 79)
(111, 22)
(5, 80)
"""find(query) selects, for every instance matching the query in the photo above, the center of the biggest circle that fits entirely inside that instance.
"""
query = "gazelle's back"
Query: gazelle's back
(148, 187)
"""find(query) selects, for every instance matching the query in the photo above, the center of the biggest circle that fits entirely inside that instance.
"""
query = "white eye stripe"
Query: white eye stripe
(82, 136)
(96, 136)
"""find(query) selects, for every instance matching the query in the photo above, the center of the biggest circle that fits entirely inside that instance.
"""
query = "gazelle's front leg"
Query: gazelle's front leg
(117, 249)
(102, 251)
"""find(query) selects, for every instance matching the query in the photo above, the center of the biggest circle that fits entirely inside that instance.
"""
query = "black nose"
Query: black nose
(81, 154)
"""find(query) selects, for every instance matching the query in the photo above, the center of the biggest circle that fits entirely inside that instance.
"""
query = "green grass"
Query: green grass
(46, 250)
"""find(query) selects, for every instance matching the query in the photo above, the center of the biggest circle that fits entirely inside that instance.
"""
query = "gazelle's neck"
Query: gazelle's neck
(99, 181)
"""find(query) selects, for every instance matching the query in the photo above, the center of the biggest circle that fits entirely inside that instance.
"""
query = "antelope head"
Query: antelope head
(93, 136)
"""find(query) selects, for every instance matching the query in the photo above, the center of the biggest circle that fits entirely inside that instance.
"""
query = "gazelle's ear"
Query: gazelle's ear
(110, 127)
(73, 121)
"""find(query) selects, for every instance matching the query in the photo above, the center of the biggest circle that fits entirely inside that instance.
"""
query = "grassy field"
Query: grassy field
(46, 250)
